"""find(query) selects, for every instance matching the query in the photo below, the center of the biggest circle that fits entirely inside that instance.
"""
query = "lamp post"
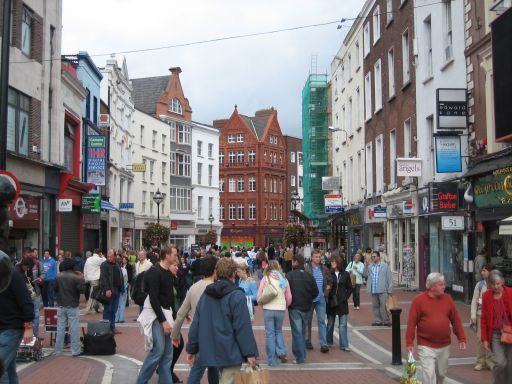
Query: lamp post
(211, 219)
(158, 198)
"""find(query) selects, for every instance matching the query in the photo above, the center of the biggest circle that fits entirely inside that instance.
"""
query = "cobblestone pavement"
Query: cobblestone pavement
(369, 361)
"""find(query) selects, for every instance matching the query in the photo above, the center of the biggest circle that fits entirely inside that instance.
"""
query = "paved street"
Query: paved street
(369, 361)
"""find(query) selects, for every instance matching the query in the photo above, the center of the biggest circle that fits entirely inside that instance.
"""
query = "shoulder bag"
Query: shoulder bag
(100, 294)
(268, 294)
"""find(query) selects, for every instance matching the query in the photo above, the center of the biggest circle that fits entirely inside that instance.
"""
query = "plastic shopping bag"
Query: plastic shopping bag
(250, 375)
(409, 374)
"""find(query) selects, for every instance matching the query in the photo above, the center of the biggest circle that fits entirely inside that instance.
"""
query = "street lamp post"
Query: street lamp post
(158, 198)
(211, 219)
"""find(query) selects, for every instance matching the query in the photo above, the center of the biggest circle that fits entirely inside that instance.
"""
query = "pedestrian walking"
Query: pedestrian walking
(304, 290)
(111, 279)
(496, 314)
(323, 281)
(221, 331)
(380, 285)
(156, 318)
(337, 304)
(356, 267)
(49, 266)
(92, 276)
(123, 297)
(68, 286)
(430, 316)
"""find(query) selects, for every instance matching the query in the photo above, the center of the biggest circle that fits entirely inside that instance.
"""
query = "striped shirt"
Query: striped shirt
(319, 278)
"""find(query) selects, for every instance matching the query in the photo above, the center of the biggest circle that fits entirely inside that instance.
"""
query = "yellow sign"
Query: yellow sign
(138, 167)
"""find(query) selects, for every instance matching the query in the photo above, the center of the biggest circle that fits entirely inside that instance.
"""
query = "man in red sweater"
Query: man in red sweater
(429, 317)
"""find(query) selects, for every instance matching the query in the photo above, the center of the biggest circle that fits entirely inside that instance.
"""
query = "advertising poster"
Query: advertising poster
(96, 159)
(448, 156)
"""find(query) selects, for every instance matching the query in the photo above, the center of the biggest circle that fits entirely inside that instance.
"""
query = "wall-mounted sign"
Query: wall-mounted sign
(138, 167)
(423, 203)
(174, 225)
(65, 205)
(104, 121)
(333, 203)
(408, 207)
(408, 167)
(448, 156)
(126, 205)
(96, 159)
(375, 214)
(452, 223)
(330, 183)
(452, 108)
(495, 189)
(24, 212)
(444, 197)
(91, 203)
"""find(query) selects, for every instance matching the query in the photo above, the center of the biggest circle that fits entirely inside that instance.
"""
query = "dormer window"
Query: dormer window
(175, 106)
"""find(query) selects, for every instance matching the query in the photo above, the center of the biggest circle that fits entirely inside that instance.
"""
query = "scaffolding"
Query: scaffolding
(315, 140)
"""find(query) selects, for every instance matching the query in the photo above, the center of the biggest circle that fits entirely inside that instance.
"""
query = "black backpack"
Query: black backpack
(137, 293)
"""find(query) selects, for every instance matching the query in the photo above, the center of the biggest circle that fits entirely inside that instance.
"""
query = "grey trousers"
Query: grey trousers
(380, 315)
(502, 357)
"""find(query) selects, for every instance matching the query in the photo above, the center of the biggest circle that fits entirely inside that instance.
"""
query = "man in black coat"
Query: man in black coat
(304, 290)
(111, 279)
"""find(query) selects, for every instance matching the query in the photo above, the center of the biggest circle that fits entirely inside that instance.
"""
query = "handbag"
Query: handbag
(251, 375)
(100, 344)
(268, 294)
(100, 294)
(506, 334)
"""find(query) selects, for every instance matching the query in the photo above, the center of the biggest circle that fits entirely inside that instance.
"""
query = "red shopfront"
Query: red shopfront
(25, 214)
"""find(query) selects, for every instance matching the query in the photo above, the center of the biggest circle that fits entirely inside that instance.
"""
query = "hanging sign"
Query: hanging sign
(451, 108)
(96, 159)
(448, 156)
(408, 167)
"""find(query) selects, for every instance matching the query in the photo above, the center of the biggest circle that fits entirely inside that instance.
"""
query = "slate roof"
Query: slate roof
(257, 124)
(146, 92)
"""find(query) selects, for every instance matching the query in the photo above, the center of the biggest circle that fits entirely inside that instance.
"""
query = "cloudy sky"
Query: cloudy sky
(253, 72)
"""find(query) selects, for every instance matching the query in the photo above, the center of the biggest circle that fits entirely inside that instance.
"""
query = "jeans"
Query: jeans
(68, 317)
(298, 321)
(159, 358)
(319, 307)
(274, 341)
(110, 309)
(48, 297)
(380, 314)
(357, 295)
(343, 332)
(37, 306)
(196, 373)
(121, 307)
(9, 342)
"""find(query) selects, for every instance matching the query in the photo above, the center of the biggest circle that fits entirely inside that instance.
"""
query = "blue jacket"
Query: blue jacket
(250, 288)
(221, 331)
(49, 267)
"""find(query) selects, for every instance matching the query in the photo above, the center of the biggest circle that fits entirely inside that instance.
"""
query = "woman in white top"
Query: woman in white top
(356, 267)
(273, 312)
(483, 357)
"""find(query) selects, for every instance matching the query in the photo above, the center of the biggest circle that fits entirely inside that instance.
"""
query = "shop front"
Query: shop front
(402, 230)
(375, 227)
(238, 237)
(127, 229)
(493, 204)
(25, 214)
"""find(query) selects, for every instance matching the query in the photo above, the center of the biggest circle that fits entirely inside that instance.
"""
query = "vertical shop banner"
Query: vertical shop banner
(96, 159)
(448, 156)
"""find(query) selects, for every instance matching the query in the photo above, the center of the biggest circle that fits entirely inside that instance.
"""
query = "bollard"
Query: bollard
(395, 337)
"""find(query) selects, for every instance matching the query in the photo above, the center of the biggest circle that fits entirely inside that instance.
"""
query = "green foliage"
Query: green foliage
(155, 234)
(295, 233)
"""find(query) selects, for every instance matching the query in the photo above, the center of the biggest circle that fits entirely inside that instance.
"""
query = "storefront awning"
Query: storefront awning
(487, 166)
(505, 226)
(107, 206)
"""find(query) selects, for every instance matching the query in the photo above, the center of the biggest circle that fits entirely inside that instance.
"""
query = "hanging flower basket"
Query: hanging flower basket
(295, 233)
(156, 234)
(209, 238)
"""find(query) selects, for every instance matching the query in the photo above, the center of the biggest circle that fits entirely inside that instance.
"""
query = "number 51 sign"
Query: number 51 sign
(452, 223)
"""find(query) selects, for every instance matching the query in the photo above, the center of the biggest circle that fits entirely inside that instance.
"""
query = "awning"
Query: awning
(107, 206)
(505, 226)
(489, 165)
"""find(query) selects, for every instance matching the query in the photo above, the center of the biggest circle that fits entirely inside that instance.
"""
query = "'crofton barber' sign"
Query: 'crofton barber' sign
(408, 167)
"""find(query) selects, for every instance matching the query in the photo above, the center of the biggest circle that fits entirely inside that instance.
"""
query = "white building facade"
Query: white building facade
(205, 180)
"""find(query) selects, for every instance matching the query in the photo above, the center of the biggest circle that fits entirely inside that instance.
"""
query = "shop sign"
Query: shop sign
(65, 205)
(91, 203)
(495, 189)
(375, 214)
(408, 207)
(96, 159)
(353, 219)
(452, 223)
(423, 204)
(444, 197)
(24, 212)
(408, 167)
(330, 183)
(448, 155)
(451, 108)
(104, 120)
(333, 203)
(174, 225)
(138, 167)
(239, 231)
(126, 205)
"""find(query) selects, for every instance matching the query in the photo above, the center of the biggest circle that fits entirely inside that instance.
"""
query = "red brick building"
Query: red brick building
(252, 179)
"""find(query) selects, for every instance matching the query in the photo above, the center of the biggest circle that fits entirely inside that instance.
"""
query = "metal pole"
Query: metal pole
(395, 337)
(158, 213)
(4, 82)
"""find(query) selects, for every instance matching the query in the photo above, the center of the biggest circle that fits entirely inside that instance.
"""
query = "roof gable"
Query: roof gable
(146, 92)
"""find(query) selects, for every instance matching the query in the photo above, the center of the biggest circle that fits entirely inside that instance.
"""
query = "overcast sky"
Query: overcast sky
(253, 72)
